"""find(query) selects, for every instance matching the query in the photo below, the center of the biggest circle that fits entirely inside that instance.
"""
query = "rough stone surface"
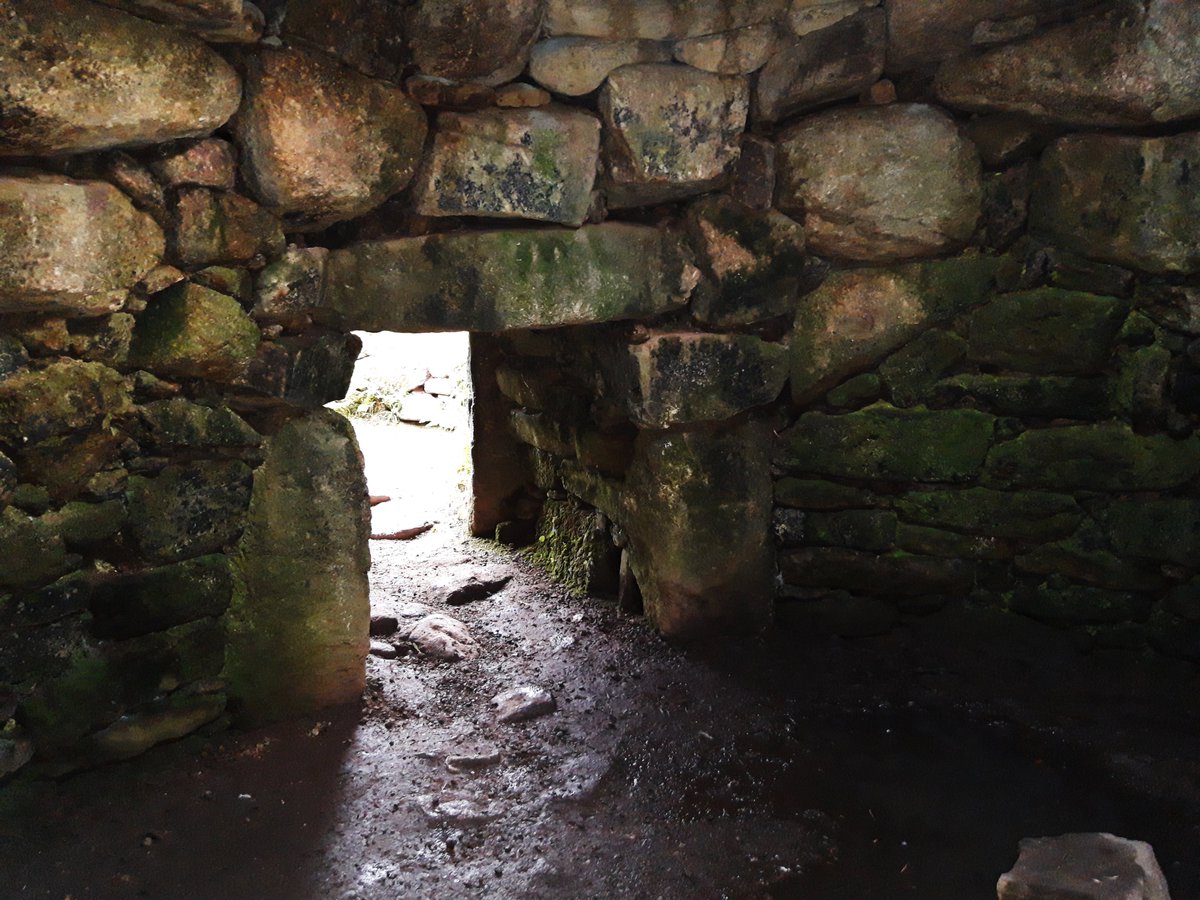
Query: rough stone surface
(682, 378)
(367, 35)
(755, 262)
(497, 280)
(1123, 200)
(189, 510)
(881, 183)
(218, 21)
(656, 19)
(189, 331)
(67, 395)
(654, 149)
(321, 143)
(1088, 866)
(307, 371)
(739, 52)
(208, 163)
(830, 64)
(145, 83)
(1102, 457)
(575, 66)
(465, 39)
(524, 164)
(857, 317)
(297, 637)
(889, 444)
(442, 637)
(1020, 515)
(126, 606)
(288, 290)
(1133, 67)
(523, 703)
(698, 515)
(71, 247)
(926, 31)
(209, 227)
(1048, 331)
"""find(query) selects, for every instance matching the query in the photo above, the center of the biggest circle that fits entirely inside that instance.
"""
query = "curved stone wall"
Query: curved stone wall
(833, 309)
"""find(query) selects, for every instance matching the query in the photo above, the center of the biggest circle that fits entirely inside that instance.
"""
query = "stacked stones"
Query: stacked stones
(992, 393)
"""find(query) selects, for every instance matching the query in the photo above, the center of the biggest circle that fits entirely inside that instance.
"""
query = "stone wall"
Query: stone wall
(862, 308)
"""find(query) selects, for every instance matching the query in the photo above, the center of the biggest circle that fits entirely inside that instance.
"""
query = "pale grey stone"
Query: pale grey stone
(575, 65)
(442, 637)
(1084, 867)
(737, 52)
(523, 703)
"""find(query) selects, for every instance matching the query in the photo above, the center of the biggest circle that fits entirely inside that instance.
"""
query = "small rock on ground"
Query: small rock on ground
(472, 762)
(442, 637)
(476, 589)
(450, 808)
(1085, 866)
(383, 650)
(523, 703)
(381, 626)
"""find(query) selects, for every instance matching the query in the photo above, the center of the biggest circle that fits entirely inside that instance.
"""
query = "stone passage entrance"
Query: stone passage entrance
(841, 313)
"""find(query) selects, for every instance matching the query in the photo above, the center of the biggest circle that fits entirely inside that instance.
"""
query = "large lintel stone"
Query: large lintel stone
(499, 280)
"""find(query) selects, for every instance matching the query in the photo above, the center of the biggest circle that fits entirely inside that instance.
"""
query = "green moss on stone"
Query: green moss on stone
(1020, 515)
(189, 331)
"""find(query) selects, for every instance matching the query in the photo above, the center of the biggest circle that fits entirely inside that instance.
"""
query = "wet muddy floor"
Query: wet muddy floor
(789, 766)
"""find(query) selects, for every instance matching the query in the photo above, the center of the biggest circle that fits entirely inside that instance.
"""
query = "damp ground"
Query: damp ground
(907, 765)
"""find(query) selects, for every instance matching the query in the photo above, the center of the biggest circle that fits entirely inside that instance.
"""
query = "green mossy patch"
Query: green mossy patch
(1018, 515)
(126, 606)
(178, 423)
(189, 510)
(65, 396)
(34, 550)
(574, 547)
(1029, 396)
(910, 373)
(189, 331)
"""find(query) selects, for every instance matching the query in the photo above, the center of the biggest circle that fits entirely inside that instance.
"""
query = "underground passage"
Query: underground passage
(600, 448)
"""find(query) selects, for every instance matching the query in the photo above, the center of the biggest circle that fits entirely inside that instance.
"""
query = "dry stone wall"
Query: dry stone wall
(834, 310)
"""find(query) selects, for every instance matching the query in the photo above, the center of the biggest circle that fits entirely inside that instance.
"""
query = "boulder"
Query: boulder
(1135, 66)
(217, 21)
(881, 183)
(298, 634)
(71, 247)
(1102, 457)
(686, 378)
(288, 290)
(498, 280)
(857, 317)
(1121, 199)
(209, 163)
(921, 32)
(698, 515)
(189, 510)
(520, 704)
(575, 66)
(34, 551)
(522, 96)
(307, 370)
(65, 396)
(653, 150)
(188, 331)
(145, 83)
(208, 227)
(1047, 331)
(739, 52)
(656, 19)
(367, 35)
(321, 143)
(754, 262)
(833, 63)
(478, 40)
(129, 605)
(1086, 866)
(442, 637)
(522, 164)
(884, 443)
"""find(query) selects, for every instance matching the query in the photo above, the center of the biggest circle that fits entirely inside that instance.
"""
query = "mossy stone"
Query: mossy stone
(178, 423)
(67, 395)
(170, 720)
(1078, 605)
(1165, 530)
(951, 544)
(857, 317)
(87, 524)
(189, 331)
(857, 392)
(897, 573)
(1047, 331)
(297, 635)
(66, 465)
(129, 605)
(574, 547)
(910, 373)
(1086, 557)
(803, 493)
(190, 509)
(34, 550)
(889, 444)
(1029, 396)
(865, 529)
(1101, 457)
(1140, 388)
(1018, 515)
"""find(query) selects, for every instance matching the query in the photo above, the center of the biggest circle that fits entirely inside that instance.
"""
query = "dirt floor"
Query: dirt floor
(787, 766)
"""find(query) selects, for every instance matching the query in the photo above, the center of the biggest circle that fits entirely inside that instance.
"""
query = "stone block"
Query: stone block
(34, 551)
(911, 372)
(1164, 530)
(69, 247)
(1103, 457)
(367, 35)
(657, 19)
(1132, 67)
(307, 371)
(502, 280)
(66, 395)
(896, 574)
(178, 423)
(829, 64)
(884, 443)
(1029, 396)
(209, 163)
(738, 52)
(210, 227)
(864, 529)
(575, 66)
(477, 40)
(146, 83)
(1087, 866)
(1078, 605)
(524, 164)
(217, 21)
(754, 260)
(1121, 199)
(126, 606)
(189, 510)
(857, 317)
(881, 183)
(288, 290)
(808, 493)
(653, 150)
(189, 331)
(321, 143)
(298, 635)
(1016, 515)
(687, 378)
